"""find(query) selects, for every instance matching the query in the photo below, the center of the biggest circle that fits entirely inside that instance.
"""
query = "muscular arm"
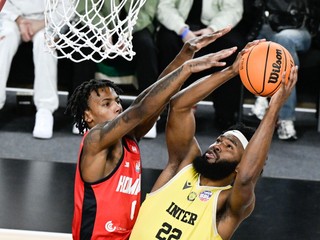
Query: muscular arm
(187, 53)
(181, 126)
(159, 95)
(241, 199)
(180, 129)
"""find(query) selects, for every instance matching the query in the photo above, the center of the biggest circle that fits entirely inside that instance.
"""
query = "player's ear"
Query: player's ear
(87, 116)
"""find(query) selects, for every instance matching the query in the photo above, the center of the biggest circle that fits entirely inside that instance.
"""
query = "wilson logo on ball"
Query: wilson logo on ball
(261, 68)
(274, 75)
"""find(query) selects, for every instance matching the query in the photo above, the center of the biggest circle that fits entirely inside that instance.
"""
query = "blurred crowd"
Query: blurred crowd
(162, 28)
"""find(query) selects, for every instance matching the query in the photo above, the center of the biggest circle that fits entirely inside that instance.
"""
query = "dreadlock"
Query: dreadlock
(78, 102)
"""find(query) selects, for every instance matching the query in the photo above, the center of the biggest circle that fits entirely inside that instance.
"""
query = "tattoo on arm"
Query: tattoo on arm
(91, 137)
(166, 84)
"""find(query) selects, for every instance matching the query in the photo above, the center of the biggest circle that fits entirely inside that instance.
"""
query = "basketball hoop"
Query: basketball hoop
(71, 32)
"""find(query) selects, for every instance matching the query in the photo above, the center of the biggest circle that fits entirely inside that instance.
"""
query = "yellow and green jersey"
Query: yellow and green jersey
(181, 209)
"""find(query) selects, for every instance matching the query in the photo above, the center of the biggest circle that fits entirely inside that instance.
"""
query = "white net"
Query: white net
(91, 29)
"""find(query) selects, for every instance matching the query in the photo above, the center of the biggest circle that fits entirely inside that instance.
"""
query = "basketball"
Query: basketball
(262, 66)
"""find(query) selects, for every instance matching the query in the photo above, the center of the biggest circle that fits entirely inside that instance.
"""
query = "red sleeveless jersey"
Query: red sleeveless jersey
(108, 209)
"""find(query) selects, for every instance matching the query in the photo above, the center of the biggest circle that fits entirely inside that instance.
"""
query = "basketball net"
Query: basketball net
(107, 36)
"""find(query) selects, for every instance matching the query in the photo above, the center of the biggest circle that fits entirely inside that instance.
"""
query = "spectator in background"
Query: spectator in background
(181, 20)
(24, 21)
(285, 22)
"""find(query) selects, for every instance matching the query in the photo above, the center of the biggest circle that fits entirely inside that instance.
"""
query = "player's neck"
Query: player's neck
(216, 183)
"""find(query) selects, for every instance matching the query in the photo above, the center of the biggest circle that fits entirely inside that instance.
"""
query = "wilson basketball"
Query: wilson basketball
(262, 66)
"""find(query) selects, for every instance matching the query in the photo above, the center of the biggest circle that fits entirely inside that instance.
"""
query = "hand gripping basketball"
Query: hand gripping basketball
(262, 66)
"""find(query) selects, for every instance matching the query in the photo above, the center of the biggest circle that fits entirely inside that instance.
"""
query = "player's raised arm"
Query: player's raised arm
(187, 52)
(191, 47)
(255, 155)
(159, 95)
(180, 129)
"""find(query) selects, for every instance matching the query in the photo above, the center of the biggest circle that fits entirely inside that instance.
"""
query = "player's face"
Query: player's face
(104, 107)
(226, 147)
(221, 159)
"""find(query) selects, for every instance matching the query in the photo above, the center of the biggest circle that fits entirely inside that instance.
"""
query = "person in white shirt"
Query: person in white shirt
(24, 21)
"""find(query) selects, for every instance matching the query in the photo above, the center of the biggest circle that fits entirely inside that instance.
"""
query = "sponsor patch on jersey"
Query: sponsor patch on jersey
(110, 227)
(205, 195)
(187, 185)
(192, 196)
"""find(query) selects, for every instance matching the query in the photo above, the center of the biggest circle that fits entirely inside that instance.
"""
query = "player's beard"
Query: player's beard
(214, 171)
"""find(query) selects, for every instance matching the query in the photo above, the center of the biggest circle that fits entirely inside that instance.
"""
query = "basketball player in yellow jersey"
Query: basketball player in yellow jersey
(207, 196)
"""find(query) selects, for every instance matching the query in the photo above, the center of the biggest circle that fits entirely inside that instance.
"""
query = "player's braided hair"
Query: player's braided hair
(78, 102)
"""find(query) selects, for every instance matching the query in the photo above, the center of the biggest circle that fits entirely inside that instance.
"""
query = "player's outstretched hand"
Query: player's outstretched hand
(280, 97)
(209, 60)
(191, 47)
(195, 44)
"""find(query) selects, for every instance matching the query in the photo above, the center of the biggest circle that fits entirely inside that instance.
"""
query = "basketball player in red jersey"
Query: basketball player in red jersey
(107, 181)
(208, 195)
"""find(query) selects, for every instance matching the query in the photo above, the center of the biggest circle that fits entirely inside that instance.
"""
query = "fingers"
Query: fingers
(225, 53)
(223, 31)
(286, 86)
(250, 45)
(255, 42)
(210, 60)
(293, 78)
(204, 40)
(30, 32)
(24, 27)
(193, 45)
(214, 58)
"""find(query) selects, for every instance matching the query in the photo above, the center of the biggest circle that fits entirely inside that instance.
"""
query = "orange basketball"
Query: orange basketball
(262, 66)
